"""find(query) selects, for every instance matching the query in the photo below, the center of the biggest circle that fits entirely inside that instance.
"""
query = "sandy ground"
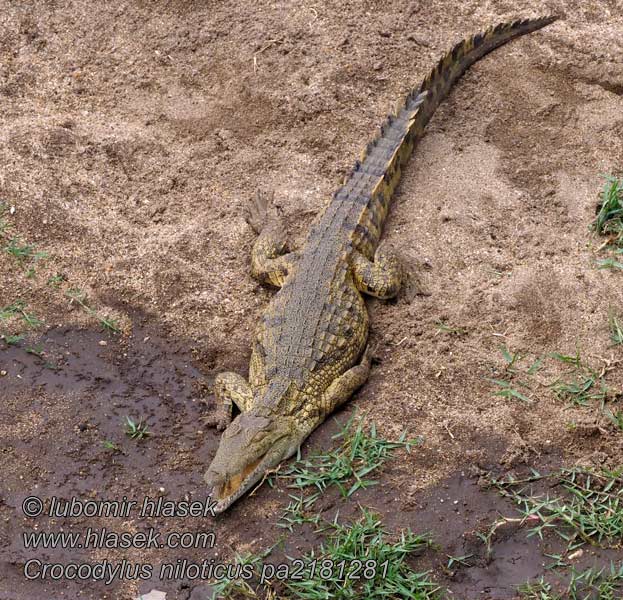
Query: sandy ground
(133, 134)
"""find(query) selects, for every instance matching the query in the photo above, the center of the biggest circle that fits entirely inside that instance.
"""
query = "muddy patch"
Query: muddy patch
(66, 396)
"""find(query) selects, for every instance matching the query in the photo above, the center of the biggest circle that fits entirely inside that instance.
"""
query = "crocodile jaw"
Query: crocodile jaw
(227, 489)
(232, 487)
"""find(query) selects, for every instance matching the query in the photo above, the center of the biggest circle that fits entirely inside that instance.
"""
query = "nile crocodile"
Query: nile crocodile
(310, 349)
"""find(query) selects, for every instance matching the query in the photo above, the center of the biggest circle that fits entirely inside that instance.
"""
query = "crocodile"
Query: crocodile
(310, 351)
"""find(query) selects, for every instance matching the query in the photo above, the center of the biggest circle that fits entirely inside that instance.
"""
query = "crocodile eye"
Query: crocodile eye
(257, 436)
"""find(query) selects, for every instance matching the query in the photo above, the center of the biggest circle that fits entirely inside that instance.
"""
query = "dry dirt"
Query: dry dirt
(132, 134)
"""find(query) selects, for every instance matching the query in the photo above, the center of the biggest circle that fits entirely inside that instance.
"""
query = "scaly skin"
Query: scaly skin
(309, 353)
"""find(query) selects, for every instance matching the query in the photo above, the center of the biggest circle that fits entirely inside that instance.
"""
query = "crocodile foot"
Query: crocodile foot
(259, 210)
(219, 420)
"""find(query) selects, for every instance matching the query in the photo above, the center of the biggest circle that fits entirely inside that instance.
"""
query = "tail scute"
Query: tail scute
(412, 115)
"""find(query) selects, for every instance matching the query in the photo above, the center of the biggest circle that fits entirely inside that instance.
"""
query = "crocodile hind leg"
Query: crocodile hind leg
(229, 388)
(382, 277)
(342, 388)
(270, 260)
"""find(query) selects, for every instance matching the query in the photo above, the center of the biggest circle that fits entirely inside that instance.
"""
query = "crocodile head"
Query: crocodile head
(251, 445)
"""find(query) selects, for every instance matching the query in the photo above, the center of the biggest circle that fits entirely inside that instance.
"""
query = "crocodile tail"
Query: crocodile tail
(377, 173)
(450, 67)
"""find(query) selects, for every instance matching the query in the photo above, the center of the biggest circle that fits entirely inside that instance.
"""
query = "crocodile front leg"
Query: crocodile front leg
(382, 277)
(229, 388)
(270, 261)
(342, 388)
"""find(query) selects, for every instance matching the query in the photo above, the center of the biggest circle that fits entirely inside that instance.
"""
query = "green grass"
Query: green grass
(591, 584)
(510, 358)
(12, 340)
(609, 219)
(18, 309)
(601, 583)
(535, 366)
(361, 561)
(572, 359)
(56, 280)
(583, 386)
(23, 251)
(509, 386)
(299, 512)
(460, 561)
(588, 509)
(232, 588)
(347, 468)
(609, 263)
(442, 327)
(35, 350)
(136, 430)
(28, 255)
(355, 561)
(78, 296)
(111, 446)
(616, 332)
(609, 222)
(508, 391)
(582, 389)
(615, 417)
(537, 590)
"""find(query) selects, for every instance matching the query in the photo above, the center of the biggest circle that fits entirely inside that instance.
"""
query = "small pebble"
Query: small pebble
(103, 343)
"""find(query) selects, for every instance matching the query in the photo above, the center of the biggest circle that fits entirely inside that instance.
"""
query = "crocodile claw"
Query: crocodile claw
(219, 420)
(257, 212)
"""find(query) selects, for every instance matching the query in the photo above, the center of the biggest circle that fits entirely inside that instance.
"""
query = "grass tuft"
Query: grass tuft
(507, 391)
(237, 587)
(109, 445)
(358, 561)
(355, 561)
(615, 417)
(609, 219)
(590, 584)
(136, 431)
(589, 511)
(582, 389)
(78, 296)
(442, 327)
(508, 387)
(18, 309)
(361, 452)
(616, 332)
(609, 263)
